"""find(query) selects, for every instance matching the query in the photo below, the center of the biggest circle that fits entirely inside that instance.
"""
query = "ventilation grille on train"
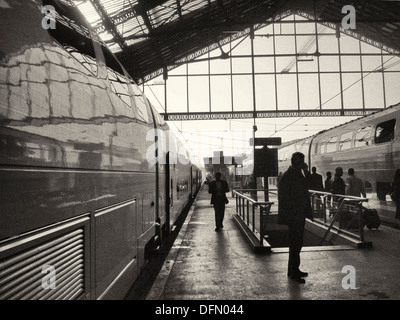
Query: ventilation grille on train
(21, 275)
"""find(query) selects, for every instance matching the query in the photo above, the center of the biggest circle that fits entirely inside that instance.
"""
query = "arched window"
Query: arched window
(331, 145)
(345, 141)
(363, 136)
(322, 149)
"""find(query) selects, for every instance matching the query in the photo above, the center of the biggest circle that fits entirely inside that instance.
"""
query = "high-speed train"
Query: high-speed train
(370, 145)
(91, 177)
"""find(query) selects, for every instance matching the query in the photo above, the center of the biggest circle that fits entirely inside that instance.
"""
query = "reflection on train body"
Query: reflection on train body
(77, 189)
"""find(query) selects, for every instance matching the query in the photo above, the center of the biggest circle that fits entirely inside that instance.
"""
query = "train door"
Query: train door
(168, 195)
(116, 249)
(191, 182)
(163, 184)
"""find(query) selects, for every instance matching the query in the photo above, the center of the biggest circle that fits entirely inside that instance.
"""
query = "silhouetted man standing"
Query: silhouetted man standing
(218, 189)
(294, 207)
(338, 186)
(316, 180)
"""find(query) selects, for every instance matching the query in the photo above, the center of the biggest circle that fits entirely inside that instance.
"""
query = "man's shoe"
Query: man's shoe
(217, 229)
(300, 274)
(303, 274)
(298, 279)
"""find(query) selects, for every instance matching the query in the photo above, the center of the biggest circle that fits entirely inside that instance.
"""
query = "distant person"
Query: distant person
(338, 185)
(328, 182)
(328, 185)
(396, 191)
(316, 184)
(294, 207)
(355, 186)
(218, 189)
(316, 180)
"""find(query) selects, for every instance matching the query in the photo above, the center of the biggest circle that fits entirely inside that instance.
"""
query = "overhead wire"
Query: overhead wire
(341, 92)
(295, 121)
(308, 44)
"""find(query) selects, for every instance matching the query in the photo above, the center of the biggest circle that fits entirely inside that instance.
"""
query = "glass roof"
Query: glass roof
(149, 36)
(126, 17)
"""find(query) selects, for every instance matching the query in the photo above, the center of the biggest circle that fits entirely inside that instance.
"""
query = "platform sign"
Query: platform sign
(274, 141)
(266, 162)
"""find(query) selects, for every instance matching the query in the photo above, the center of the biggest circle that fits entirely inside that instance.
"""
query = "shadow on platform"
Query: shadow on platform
(209, 265)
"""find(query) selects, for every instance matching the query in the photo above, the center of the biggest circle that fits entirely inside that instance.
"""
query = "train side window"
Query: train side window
(316, 147)
(74, 37)
(345, 141)
(319, 147)
(303, 146)
(331, 145)
(142, 111)
(111, 62)
(363, 136)
(322, 150)
(384, 131)
(87, 61)
(119, 86)
(116, 76)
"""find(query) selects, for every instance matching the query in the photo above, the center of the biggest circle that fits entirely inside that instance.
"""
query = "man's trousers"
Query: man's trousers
(296, 234)
(219, 208)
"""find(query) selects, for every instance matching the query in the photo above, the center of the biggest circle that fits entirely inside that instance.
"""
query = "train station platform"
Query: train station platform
(220, 265)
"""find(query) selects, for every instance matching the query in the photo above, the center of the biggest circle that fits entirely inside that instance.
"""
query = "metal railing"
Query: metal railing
(343, 213)
(253, 213)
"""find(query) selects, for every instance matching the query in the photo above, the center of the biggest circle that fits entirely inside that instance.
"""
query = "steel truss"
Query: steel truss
(298, 111)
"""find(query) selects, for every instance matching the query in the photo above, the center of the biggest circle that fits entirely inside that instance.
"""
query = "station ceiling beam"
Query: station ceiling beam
(108, 23)
(162, 32)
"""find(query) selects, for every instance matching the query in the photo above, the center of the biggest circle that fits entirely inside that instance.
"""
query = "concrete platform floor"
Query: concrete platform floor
(209, 265)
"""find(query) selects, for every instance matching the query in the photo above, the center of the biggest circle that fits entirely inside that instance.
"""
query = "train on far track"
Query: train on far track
(92, 179)
(370, 145)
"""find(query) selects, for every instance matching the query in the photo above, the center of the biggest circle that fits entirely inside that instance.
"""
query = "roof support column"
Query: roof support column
(383, 80)
(317, 54)
(275, 75)
(297, 64)
(253, 77)
(340, 70)
(165, 77)
(362, 77)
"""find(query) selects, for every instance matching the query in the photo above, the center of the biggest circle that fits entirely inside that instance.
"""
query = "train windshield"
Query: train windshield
(72, 33)
(384, 131)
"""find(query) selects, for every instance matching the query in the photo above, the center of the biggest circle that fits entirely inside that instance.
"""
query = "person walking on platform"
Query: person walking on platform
(338, 185)
(355, 186)
(294, 206)
(218, 189)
